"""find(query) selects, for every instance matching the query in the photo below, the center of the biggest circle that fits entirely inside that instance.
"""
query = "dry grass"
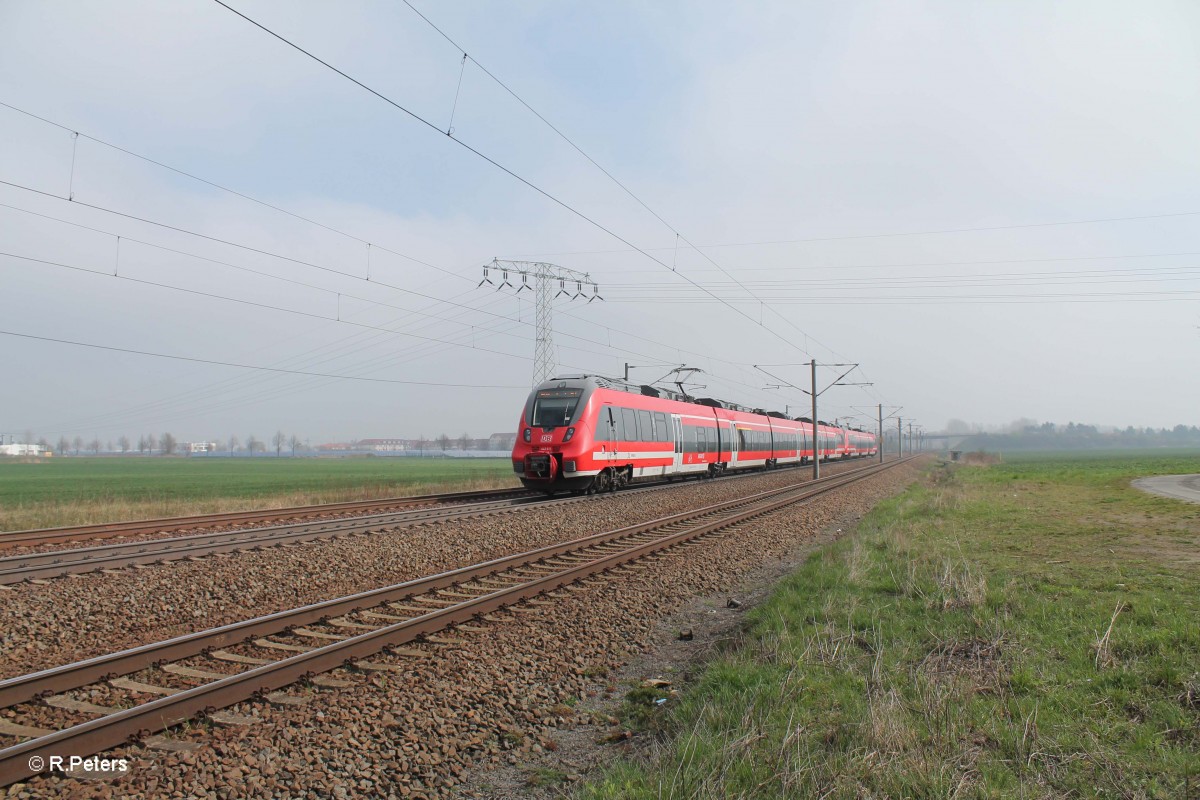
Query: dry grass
(955, 646)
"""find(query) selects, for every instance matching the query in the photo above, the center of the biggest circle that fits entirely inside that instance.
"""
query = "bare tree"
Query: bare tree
(279, 440)
(94, 446)
(443, 442)
(151, 442)
(62, 446)
(123, 443)
(233, 444)
(44, 444)
(252, 443)
(464, 441)
(168, 444)
(142, 444)
(294, 441)
(77, 443)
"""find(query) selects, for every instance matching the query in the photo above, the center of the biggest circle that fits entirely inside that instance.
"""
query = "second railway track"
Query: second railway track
(175, 680)
(116, 530)
(43, 565)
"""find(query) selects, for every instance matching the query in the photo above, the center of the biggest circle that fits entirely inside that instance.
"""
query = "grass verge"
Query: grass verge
(1030, 629)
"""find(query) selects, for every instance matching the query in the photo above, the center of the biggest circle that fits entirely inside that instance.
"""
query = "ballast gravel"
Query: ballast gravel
(491, 698)
(76, 617)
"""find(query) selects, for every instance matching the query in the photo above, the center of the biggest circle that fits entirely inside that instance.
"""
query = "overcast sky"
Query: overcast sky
(994, 208)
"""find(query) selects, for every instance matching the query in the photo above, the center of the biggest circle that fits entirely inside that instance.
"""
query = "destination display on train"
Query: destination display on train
(559, 392)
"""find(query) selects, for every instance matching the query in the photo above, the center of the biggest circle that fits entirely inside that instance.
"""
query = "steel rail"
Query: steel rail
(41, 565)
(108, 530)
(57, 563)
(113, 729)
(58, 679)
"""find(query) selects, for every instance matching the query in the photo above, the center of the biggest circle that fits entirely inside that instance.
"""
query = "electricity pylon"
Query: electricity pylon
(547, 282)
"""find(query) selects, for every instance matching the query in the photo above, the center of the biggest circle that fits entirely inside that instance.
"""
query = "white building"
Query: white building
(22, 450)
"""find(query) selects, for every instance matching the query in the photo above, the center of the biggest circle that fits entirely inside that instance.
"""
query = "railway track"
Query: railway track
(157, 686)
(58, 563)
(113, 530)
(50, 564)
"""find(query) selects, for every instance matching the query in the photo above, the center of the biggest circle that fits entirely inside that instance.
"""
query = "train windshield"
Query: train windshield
(554, 408)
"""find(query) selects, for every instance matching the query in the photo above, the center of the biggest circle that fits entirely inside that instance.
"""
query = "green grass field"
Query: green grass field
(1029, 629)
(67, 491)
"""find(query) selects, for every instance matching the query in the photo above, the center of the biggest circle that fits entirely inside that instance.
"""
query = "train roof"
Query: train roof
(618, 385)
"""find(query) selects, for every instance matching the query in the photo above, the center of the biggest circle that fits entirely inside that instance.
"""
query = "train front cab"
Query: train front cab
(553, 431)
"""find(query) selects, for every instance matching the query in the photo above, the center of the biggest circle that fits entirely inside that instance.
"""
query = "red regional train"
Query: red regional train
(588, 433)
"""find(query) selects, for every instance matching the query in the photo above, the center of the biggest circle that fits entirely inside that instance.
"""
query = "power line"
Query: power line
(954, 282)
(284, 211)
(985, 262)
(977, 229)
(497, 165)
(235, 192)
(628, 191)
(253, 303)
(271, 254)
(1171, 296)
(260, 272)
(209, 393)
(253, 366)
(534, 111)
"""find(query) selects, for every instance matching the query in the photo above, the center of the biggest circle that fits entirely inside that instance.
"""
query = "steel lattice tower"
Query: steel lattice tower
(549, 283)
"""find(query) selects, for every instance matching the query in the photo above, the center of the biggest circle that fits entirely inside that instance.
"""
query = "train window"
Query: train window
(662, 433)
(689, 438)
(554, 408)
(604, 431)
(645, 427)
(630, 433)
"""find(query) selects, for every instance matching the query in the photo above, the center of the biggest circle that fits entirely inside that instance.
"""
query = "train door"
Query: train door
(677, 432)
(609, 432)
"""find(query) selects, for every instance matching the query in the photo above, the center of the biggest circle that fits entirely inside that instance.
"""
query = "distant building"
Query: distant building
(22, 450)
(334, 447)
(200, 447)
(384, 445)
(502, 441)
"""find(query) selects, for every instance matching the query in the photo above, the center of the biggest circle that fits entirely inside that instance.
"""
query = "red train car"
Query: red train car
(588, 433)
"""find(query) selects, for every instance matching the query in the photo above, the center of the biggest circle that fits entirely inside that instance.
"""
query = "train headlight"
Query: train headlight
(528, 434)
(570, 433)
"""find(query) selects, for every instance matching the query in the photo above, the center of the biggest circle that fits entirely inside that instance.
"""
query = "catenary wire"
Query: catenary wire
(252, 366)
(501, 167)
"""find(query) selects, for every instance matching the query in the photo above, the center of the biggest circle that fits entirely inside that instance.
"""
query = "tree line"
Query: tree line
(1072, 436)
(167, 444)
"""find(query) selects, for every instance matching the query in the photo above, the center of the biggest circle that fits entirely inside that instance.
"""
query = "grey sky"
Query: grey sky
(821, 126)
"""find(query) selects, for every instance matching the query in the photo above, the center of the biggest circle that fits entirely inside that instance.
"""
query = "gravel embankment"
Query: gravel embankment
(490, 699)
(69, 619)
